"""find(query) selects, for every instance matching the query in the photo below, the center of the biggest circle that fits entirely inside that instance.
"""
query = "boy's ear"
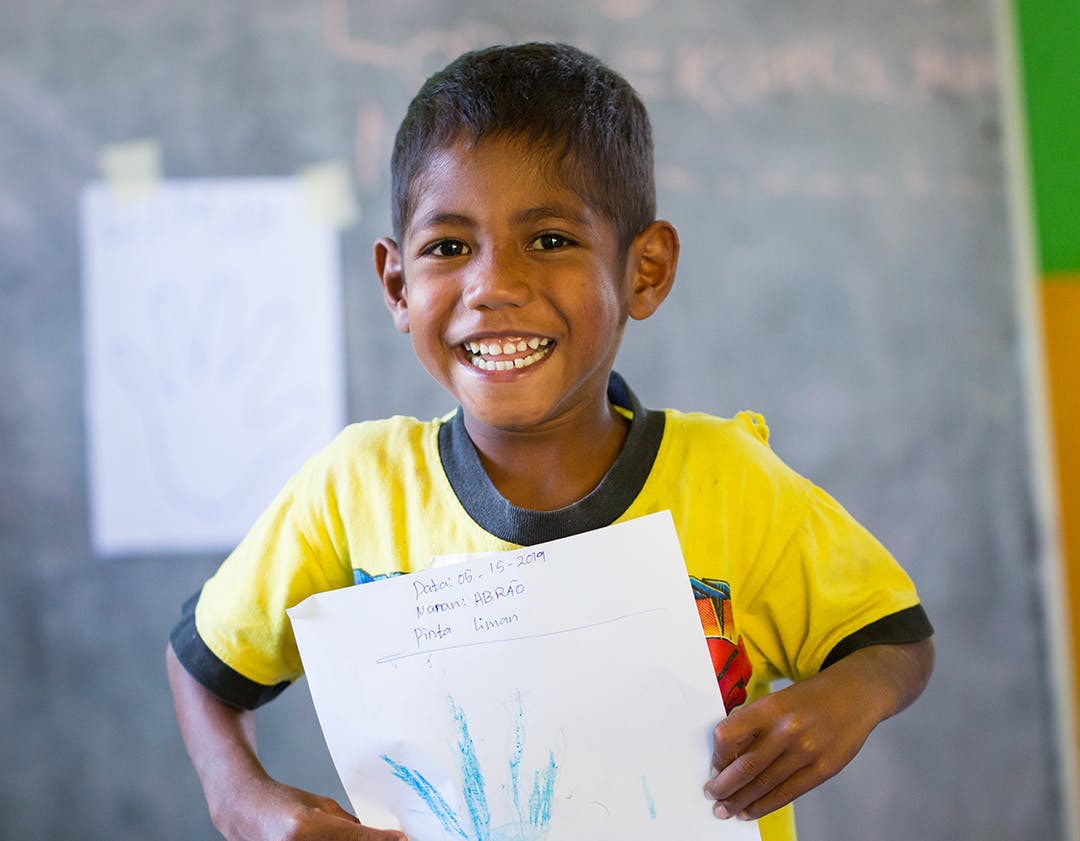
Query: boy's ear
(392, 277)
(652, 260)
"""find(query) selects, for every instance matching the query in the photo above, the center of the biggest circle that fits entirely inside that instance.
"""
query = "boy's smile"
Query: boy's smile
(514, 291)
(507, 353)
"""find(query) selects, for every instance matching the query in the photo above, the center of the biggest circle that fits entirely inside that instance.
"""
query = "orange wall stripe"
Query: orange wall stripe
(1061, 322)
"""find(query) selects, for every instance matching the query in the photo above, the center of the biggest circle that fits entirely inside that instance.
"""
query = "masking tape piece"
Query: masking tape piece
(133, 169)
(328, 194)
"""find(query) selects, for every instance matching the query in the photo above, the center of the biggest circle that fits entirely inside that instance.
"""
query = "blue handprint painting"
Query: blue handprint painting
(473, 822)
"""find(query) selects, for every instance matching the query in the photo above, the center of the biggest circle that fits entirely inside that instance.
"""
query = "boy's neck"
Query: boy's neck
(553, 468)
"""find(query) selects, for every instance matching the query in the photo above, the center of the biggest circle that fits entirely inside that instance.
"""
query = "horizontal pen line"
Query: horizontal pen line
(389, 658)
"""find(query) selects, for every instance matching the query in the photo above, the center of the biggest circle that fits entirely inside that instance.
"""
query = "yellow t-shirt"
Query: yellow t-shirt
(786, 579)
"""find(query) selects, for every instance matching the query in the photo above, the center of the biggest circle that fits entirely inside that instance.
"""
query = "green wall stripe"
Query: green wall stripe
(1049, 46)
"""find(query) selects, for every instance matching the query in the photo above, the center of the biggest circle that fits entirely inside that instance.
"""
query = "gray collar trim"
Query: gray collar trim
(525, 527)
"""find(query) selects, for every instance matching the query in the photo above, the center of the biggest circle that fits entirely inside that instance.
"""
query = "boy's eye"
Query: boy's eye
(549, 242)
(447, 248)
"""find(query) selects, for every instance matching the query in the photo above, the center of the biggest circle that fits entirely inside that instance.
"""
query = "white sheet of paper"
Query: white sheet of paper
(213, 352)
(558, 692)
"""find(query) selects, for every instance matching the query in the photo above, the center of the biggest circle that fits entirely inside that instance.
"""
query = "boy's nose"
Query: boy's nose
(496, 279)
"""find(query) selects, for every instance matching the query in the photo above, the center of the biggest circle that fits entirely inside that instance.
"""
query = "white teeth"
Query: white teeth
(506, 348)
(507, 364)
(480, 353)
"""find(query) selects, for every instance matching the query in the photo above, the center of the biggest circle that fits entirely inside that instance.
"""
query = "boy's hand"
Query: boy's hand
(781, 746)
(272, 811)
(246, 804)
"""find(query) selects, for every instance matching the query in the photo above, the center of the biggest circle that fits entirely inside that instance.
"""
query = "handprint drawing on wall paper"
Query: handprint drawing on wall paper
(206, 367)
(214, 361)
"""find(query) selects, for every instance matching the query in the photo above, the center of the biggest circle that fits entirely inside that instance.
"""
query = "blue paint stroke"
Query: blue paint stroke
(515, 758)
(648, 798)
(430, 795)
(472, 779)
(542, 794)
(475, 791)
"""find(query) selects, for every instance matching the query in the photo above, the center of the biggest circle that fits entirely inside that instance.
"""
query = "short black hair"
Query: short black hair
(564, 105)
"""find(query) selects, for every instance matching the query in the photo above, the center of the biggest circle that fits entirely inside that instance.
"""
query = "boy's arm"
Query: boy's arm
(779, 747)
(245, 803)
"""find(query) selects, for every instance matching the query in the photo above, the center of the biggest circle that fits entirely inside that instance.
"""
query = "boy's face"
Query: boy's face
(513, 290)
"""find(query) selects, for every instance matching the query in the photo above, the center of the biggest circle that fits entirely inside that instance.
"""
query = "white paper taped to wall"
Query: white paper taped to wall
(214, 357)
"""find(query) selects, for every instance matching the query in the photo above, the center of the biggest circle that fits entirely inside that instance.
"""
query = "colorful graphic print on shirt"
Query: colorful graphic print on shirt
(731, 664)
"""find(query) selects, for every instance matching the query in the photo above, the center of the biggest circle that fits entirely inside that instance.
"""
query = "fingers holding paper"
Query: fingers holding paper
(775, 749)
(779, 747)
(285, 813)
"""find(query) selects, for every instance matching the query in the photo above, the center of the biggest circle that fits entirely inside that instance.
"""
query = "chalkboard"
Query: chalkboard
(836, 171)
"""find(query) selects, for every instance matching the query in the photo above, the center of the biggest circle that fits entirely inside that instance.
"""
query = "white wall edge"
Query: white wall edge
(1036, 395)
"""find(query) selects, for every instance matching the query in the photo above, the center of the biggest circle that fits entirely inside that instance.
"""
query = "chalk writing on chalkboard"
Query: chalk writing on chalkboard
(720, 75)
(725, 77)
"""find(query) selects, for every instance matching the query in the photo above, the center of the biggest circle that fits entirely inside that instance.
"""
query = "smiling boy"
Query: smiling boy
(498, 255)
(524, 240)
